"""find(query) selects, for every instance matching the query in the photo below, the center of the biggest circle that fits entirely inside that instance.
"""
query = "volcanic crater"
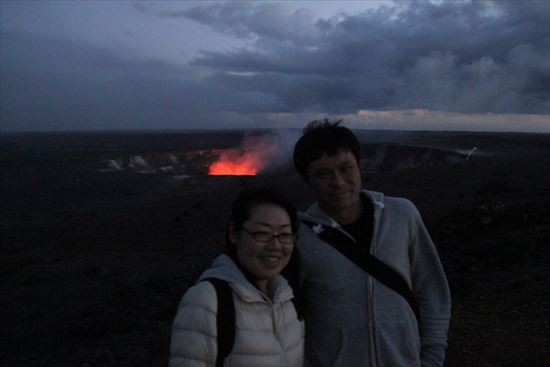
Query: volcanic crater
(250, 162)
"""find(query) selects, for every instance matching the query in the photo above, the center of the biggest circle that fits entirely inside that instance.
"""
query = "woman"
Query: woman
(260, 239)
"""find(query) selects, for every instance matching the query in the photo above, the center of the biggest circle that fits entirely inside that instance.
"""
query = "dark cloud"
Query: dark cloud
(267, 21)
(57, 55)
(470, 57)
(55, 84)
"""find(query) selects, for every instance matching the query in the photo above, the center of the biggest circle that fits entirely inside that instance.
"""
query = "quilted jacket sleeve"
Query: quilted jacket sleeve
(193, 342)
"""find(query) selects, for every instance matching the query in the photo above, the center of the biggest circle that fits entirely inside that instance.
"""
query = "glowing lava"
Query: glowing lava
(234, 163)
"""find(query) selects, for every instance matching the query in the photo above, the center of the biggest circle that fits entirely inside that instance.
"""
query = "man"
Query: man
(356, 318)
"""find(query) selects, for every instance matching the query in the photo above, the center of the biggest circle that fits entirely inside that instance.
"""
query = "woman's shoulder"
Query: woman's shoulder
(202, 295)
(193, 340)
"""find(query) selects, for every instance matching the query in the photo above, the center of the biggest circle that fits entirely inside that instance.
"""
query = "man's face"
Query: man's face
(335, 182)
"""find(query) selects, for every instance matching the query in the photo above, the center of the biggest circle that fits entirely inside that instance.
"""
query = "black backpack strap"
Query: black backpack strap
(292, 274)
(225, 319)
(370, 264)
(299, 307)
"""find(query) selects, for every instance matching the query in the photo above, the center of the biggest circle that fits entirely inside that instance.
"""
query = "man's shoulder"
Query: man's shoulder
(384, 201)
(396, 208)
(400, 202)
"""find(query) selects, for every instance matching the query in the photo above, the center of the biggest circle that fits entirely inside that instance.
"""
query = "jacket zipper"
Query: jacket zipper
(374, 358)
(276, 332)
(373, 353)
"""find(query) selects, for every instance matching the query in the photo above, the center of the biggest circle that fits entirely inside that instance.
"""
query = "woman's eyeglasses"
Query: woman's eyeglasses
(284, 238)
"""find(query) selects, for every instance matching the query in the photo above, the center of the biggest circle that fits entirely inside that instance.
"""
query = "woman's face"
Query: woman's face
(263, 258)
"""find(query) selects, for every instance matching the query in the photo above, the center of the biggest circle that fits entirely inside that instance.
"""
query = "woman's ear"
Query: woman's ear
(233, 233)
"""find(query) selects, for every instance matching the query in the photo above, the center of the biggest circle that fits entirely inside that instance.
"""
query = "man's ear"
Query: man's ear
(233, 233)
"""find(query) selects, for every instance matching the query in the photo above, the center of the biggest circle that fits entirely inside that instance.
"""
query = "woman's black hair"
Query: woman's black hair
(249, 199)
(240, 212)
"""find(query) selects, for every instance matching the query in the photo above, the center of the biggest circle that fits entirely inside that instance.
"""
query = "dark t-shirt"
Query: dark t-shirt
(361, 229)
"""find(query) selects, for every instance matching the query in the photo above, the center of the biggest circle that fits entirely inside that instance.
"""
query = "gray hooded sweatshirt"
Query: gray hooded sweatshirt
(352, 320)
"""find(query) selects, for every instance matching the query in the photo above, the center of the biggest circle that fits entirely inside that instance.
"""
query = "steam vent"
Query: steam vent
(270, 160)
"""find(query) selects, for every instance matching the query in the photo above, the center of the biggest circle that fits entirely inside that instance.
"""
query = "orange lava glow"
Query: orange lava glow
(231, 169)
(231, 163)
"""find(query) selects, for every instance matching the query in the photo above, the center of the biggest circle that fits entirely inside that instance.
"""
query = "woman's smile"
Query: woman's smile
(259, 246)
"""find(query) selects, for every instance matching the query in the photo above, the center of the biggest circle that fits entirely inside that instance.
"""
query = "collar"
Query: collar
(316, 215)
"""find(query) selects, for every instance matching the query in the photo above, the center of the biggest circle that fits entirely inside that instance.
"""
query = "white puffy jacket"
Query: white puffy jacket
(268, 332)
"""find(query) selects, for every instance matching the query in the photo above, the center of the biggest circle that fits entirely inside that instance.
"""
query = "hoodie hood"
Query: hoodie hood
(224, 268)
(316, 215)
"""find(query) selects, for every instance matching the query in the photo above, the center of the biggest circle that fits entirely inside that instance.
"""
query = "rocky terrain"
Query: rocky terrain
(95, 256)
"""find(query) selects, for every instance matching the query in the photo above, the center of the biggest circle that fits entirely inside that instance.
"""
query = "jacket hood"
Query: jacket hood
(316, 215)
(224, 268)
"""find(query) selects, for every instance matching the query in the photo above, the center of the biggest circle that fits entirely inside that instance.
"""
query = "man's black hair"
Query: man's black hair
(324, 137)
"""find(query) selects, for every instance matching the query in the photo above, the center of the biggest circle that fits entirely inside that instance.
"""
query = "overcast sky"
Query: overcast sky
(442, 65)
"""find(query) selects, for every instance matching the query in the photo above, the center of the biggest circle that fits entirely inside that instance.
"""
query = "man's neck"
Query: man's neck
(346, 216)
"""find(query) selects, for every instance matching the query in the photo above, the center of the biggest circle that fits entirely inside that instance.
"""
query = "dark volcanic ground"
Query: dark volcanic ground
(93, 264)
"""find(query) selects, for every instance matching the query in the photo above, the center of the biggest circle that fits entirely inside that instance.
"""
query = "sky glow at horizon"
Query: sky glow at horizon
(445, 65)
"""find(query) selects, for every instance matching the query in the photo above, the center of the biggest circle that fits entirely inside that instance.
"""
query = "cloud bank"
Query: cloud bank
(469, 57)
(411, 65)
